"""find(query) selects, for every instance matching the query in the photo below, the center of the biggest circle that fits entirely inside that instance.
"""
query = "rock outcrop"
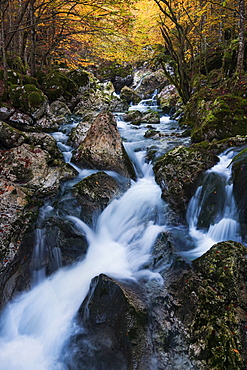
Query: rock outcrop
(102, 147)
(177, 173)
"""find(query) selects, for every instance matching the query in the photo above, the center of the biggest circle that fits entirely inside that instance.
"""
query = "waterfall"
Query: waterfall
(36, 324)
(223, 218)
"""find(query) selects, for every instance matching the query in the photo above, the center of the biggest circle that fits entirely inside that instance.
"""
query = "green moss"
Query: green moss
(26, 97)
(79, 76)
(57, 84)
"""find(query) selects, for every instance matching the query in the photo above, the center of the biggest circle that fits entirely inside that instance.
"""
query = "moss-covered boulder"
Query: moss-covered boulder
(178, 171)
(29, 99)
(10, 137)
(79, 76)
(216, 117)
(58, 85)
(129, 95)
(133, 116)
(210, 300)
(102, 147)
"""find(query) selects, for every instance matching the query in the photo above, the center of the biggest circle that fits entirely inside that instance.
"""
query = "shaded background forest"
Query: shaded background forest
(187, 38)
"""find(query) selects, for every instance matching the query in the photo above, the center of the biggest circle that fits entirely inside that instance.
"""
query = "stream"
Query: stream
(37, 324)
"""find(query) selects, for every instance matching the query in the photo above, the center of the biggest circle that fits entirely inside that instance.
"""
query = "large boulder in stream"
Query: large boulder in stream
(102, 147)
(178, 171)
(114, 318)
(94, 193)
(210, 300)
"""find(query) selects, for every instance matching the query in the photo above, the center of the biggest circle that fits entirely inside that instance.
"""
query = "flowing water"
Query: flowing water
(216, 188)
(35, 326)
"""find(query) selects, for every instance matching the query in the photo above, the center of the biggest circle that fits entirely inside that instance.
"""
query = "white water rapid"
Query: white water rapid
(35, 326)
(225, 225)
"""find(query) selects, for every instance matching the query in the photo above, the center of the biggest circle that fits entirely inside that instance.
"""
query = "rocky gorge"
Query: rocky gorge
(186, 314)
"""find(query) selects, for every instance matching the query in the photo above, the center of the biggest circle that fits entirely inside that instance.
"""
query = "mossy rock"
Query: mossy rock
(178, 171)
(222, 305)
(223, 117)
(57, 84)
(16, 64)
(26, 97)
(14, 77)
(79, 76)
(239, 171)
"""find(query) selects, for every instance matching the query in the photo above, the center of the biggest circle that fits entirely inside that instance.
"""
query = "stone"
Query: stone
(78, 133)
(10, 137)
(59, 108)
(178, 171)
(129, 95)
(103, 148)
(94, 193)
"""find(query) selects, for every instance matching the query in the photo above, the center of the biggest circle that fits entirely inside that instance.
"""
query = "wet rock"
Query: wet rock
(78, 134)
(102, 148)
(215, 117)
(21, 120)
(45, 142)
(178, 171)
(133, 116)
(151, 117)
(168, 99)
(211, 301)
(114, 316)
(239, 171)
(150, 81)
(94, 193)
(119, 82)
(129, 95)
(10, 137)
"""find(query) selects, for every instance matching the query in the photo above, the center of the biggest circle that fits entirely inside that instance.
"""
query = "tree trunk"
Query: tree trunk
(33, 42)
(240, 59)
(2, 38)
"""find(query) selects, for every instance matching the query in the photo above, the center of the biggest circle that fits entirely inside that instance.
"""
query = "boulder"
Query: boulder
(78, 133)
(210, 301)
(59, 108)
(114, 317)
(168, 99)
(239, 172)
(94, 193)
(133, 116)
(29, 99)
(29, 166)
(129, 95)
(57, 85)
(178, 171)
(150, 82)
(10, 137)
(214, 117)
(6, 112)
(103, 148)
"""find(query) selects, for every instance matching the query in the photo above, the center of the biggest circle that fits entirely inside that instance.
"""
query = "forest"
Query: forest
(187, 38)
(123, 171)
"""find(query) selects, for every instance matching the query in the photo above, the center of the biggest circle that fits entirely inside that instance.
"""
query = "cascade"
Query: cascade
(35, 326)
(222, 218)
